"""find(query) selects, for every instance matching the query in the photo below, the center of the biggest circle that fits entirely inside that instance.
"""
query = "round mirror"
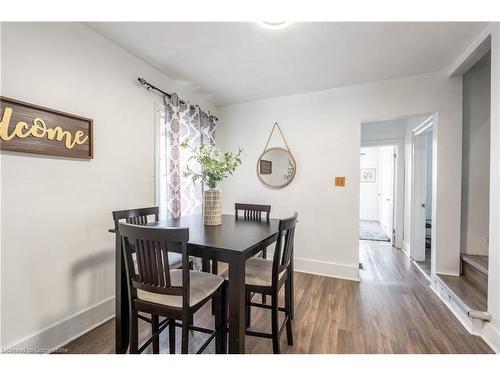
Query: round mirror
(276, 167)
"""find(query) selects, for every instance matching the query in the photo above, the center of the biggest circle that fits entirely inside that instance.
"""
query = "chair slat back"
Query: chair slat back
(252, 211)
(137, 216)
(283, 252)
(152, 246)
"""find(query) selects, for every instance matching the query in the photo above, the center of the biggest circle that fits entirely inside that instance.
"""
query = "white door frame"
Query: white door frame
(399, 185)
(386, 197)
(418, 193)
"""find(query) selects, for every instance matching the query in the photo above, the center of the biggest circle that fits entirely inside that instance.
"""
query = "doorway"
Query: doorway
(377, 188)
(422, 180)
(401, 150)
(472, 287)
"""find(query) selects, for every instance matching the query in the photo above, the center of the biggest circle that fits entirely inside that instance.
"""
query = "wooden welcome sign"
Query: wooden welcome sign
(30, 128)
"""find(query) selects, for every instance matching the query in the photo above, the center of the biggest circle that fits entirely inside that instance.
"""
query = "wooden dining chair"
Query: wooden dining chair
(138, 216)
(176, 294)
(141, 216)
(254, 212)
(268, 277)
(250, 212)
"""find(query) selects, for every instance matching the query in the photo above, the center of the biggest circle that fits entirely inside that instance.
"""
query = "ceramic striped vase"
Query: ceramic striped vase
(212, 207)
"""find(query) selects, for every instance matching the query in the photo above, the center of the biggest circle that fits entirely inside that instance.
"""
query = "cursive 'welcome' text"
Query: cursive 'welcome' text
(39, 130)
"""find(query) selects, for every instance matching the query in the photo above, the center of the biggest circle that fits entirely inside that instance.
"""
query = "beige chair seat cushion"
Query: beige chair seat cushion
(202, 285)
(174, 260)
(258, 271)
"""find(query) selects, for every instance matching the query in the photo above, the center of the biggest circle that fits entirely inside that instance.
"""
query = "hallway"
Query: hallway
(372, 231)
(391, 310)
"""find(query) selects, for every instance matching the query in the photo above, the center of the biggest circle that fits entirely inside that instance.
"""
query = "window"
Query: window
(175, 194)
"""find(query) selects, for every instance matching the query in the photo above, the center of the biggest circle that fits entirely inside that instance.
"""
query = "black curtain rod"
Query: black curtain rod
(149, 86)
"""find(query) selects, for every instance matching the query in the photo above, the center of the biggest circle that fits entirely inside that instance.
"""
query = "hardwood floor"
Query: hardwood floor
(425, 265)
(391, 310)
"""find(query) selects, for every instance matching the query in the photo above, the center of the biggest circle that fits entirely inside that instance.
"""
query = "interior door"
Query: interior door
(387, 190)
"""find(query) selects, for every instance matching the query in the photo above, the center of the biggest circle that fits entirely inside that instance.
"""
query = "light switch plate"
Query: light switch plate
(340, 181)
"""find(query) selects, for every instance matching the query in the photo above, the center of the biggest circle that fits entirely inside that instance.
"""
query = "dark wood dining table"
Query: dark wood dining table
(232, 242)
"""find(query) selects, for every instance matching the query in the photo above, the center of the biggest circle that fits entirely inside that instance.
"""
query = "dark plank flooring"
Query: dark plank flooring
(391, 310)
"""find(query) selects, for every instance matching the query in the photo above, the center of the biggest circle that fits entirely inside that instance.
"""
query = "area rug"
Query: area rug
(372, 231)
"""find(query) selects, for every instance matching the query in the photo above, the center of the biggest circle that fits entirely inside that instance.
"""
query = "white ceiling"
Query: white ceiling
(241, 62)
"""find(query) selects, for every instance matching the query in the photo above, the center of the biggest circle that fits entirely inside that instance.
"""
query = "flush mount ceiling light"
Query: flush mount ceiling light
(274, 25)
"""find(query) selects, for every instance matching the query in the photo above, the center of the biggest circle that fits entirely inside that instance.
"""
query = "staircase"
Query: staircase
(469, 290)
(477, 262)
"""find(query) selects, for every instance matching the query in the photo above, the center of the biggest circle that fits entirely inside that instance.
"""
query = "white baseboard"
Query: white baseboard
(342, 271)
(485, 330)
(491, 335)
(406, 248)
(421, 270)
(66, 330)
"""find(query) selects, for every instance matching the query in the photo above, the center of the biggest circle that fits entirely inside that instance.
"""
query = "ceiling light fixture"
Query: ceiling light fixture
(274, 25)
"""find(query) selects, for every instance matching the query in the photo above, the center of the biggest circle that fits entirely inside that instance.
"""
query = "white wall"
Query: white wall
(57, 256)
(476, 161)
(492, 332)
(323, 131)
(368, 191)
(382, 130)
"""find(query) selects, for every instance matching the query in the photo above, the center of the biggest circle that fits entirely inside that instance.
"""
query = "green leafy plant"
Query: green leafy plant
(215, 165)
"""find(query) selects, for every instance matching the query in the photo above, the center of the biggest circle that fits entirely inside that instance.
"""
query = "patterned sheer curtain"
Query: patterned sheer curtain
(179, 195)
